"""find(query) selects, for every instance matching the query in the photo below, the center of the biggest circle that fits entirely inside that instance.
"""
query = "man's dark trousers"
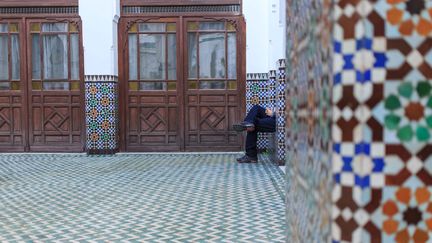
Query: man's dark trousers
(263, 123)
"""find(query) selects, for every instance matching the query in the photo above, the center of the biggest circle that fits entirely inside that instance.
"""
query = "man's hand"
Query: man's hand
(269, 112)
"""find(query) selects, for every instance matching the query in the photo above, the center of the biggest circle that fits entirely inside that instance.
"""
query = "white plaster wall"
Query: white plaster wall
(265, 34)
(265, 22)
(277, 32)
(256, 13)
(99, 36)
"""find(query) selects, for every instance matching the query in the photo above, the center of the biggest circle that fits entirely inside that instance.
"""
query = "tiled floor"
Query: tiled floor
(142, 198)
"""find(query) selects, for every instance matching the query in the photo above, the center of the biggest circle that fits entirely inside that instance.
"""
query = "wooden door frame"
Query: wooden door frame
(124, 25)
(23, 83)
(76, 20)
(239, 24)
(26, 80)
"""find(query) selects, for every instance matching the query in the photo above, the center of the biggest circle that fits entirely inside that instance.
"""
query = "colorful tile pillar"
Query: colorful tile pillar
(309, 178)
(257, 94)
(378, 174)
(382, 116)
(101, 114)
(280, 113)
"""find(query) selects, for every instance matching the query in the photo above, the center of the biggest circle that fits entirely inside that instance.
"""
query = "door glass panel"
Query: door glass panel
(55, 27)
(172, 86)
(15, 57)
(230, 27)
(152, 27)
(13, 28)
(232, 56)
(212, 85)
(56, 85)
(55, 56)
(171, 27)
(15, 86)
(35, 27)
(193, 85)
(36, 61)
(4, 86)
(212, 26)
(74, 57)
(192, 55)
(133, 57)
(73, 28)
(212, 55)
(152, 86)
(232, 85)
(4, 60)
(172, 57)
(3, 28)
(152, 56)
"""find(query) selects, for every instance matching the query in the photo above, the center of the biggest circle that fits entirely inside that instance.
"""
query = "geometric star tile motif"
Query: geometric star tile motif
(381, 116)
(101, 114)
(257, 93)
(357, 61)
(406, 112)
(359, 165)
(406, 214)
(308, 119)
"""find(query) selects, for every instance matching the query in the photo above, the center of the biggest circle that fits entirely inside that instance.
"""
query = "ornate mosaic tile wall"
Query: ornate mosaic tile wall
(308, 119)
(381, 121)
(257, 93)
(101, 114)
(382, 118)
(268, 90)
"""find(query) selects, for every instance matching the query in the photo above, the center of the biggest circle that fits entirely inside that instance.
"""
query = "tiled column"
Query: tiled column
(381, 137)
(257, 94)
(272, 82)
(383, 121)
(280, 113)
(308, 157)
(101, 114)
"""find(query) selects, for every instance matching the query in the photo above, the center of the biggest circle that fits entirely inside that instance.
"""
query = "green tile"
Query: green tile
(392, 102)
(392, 121)
(422, 133)
(405, 133)
(424, 88)
(406, 90)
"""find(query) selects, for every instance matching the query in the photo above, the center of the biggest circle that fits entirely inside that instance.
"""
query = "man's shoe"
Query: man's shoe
(247, 159)
(244, 126)
(241, 158)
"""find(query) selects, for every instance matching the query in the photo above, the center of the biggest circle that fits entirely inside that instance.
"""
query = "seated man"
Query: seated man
(257, 120)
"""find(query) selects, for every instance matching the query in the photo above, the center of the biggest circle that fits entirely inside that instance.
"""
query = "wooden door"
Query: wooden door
(182, 84)
(41, 88)
(153, 86)
(55, 85)
(213, 94)
(12, 87)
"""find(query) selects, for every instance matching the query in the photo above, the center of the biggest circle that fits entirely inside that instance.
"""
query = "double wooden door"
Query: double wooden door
(182, 83)
(41, 88)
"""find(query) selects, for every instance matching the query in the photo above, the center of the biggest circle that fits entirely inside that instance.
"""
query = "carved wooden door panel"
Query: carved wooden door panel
(152, 90)
(12, 87)
(41, 92)
(182, 88)
(213, 92)
(55, 87)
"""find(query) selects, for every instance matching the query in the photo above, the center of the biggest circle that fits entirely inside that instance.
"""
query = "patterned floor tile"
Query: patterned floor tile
(145, 198)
